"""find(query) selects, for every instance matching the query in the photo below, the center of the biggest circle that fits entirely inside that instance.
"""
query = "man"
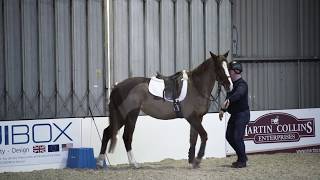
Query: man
(236, 104)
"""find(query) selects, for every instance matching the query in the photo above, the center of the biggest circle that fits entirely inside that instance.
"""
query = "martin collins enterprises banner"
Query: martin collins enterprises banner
(42, 143)
(295, 131)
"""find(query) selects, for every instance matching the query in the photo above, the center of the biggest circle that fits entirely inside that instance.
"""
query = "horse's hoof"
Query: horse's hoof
(100, 164)
(195, 166)
(99, 167)
(135, 165)
(196, 163)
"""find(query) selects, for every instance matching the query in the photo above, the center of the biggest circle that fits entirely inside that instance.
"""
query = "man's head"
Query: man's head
(235, 69)
(236, 66)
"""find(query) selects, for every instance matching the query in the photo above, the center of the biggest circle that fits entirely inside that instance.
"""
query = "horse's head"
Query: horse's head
(221, 68)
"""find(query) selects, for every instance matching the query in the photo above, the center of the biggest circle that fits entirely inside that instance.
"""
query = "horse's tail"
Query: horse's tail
(113, 120)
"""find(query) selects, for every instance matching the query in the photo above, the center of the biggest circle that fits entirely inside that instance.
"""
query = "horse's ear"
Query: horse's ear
(213, 55)
(226, 54)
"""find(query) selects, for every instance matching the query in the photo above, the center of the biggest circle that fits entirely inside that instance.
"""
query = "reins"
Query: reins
(214, 99)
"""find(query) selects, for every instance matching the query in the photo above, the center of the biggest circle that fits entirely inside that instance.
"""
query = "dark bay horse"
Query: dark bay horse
(131, 95)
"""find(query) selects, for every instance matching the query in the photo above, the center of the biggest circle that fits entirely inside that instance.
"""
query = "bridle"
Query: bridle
(213, 98)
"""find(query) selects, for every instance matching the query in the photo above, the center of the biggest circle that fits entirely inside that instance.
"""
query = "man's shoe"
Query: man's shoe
(239, 164)
(234, 164)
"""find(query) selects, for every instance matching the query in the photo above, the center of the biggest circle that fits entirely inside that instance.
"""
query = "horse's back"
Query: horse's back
(130, 83)
(122, 89)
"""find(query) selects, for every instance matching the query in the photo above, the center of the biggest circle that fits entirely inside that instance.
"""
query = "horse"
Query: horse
(131, 96)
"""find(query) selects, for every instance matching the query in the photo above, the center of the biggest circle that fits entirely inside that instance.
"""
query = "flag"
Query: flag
(53, 148)
(39, 149)
(65, 147)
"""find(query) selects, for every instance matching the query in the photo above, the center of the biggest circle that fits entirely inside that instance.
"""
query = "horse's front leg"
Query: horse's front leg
(193, 142)
(197, 160)
(195, 122)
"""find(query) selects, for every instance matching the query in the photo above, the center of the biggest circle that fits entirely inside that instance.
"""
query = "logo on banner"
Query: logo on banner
(24, 133)
(279, 127)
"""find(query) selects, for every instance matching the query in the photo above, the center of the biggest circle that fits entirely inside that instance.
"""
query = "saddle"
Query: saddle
(172, 89)
(172, 85)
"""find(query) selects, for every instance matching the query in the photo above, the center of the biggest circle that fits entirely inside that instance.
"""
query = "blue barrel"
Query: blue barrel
(81, 158)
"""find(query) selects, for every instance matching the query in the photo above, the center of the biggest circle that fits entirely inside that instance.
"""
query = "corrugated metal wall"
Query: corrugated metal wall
(279, 44)
(52, 59)
(2, 66)
(310, 47)
(166, 35)
(53, 52)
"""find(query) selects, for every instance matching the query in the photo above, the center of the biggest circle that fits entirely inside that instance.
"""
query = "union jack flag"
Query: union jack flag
(39, 149)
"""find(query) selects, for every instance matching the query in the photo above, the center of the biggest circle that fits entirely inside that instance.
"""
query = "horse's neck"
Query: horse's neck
(204, 80)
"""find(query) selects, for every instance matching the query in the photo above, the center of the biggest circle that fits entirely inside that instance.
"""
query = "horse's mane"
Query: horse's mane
(201, 68)
(197, 73)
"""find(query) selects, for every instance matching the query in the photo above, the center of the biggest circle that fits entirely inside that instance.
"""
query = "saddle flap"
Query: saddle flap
(174, 89)
(172, 84)
(156, 86)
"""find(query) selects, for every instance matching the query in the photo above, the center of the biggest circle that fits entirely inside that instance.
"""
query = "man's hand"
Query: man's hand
(221, 115)
(226, 104)
(224, 107)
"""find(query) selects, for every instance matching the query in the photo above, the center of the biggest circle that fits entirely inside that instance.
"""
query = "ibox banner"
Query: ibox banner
(37, 144)
(296, 131)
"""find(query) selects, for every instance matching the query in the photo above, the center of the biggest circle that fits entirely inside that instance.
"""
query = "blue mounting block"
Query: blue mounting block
(81, 158)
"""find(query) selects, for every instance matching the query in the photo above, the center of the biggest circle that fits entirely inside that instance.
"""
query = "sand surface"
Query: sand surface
(276, 166)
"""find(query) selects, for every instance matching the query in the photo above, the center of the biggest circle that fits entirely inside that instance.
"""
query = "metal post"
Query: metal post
(218, 24)
(107, 41)
(300, 46)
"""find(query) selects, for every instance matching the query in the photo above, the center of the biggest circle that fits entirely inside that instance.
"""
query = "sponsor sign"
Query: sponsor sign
(37, 142)
(294, 130)
(279, 127)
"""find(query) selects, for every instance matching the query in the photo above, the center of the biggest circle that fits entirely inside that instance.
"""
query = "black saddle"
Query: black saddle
(172, 85)
(172, 90)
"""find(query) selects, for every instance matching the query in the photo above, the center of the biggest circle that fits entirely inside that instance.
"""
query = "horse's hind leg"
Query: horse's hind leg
(106, 136)
(127, 135)
(105, 139)
(107, 133)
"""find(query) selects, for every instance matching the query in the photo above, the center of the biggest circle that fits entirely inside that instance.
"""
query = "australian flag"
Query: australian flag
(53, 148)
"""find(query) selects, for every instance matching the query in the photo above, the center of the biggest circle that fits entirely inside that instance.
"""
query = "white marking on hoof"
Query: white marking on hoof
(101, 161)
(132, 161)
(135, 165)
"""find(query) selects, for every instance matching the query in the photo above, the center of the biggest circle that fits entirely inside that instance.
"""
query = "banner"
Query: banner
(296, 130)
(44, 143)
